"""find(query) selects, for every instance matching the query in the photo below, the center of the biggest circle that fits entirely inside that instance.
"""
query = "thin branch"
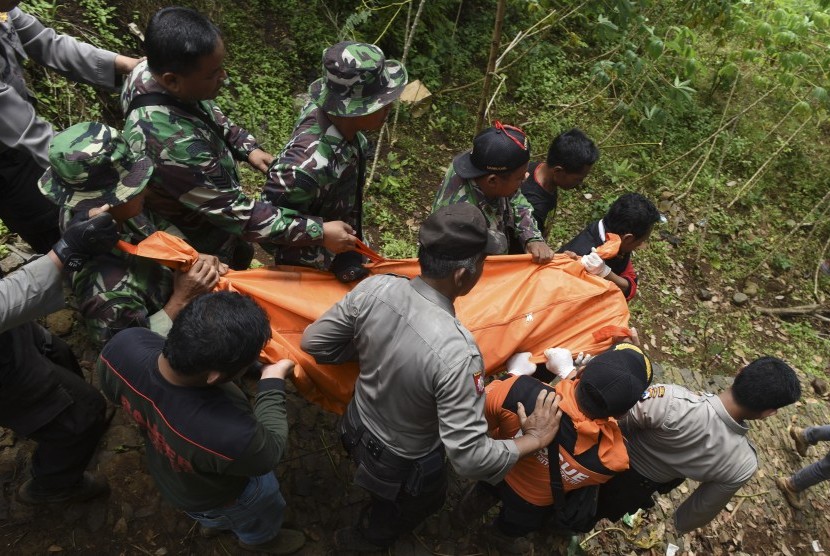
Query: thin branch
(709, 138)
(777, 246)
(763, 167)
(820, 298)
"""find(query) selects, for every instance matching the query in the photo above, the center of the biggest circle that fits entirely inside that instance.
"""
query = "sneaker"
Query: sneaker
(350, 539)
(87, 488)
(794, 497)
(505, 544)
(801, 444)
(288, 541)
(472, 506)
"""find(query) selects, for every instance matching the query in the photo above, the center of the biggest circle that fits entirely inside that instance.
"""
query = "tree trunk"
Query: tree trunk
(491, 64)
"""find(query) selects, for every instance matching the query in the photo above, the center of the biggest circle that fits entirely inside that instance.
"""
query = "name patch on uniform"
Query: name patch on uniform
(657, 391)
(478, 381)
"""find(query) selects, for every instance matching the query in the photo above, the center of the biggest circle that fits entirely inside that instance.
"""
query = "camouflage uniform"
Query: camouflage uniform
(319, 172)
(93, 165)
(510, 216)
(196, 185)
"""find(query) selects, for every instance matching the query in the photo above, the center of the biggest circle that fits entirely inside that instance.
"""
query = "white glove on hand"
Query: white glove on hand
(560, 361)
(582, 359)
(594, 264)
(520, 364)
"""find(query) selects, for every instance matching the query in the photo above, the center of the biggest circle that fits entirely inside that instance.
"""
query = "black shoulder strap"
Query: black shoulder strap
(163, 99)
(555, 476)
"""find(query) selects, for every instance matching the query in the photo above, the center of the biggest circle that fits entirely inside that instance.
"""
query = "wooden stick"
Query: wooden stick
(799, 310)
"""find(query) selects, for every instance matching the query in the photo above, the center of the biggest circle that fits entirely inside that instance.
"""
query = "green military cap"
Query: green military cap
(358, 80)
(91, 161)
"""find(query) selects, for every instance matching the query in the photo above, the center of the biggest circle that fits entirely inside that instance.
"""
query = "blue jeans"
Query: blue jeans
(255, 517)
(818, 471)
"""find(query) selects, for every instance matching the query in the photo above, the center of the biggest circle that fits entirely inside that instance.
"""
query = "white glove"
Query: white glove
(560, 361)
(594, 264)
(582, 359)
(520, 364)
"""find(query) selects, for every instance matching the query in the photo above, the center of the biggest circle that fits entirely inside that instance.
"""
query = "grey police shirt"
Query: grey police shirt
(674, 433)
(22, 36)
(421, 373)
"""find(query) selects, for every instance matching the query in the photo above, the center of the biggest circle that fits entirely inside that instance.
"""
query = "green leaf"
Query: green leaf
(654, 48)
(820, 94)
(763, 29)
(785, 38)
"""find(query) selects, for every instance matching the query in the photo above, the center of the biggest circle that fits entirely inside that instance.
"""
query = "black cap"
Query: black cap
(458, 231)
(613, 382)
(497, 149)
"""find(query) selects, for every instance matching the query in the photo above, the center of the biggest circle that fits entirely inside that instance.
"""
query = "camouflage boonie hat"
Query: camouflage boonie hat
(91, 161)
(358, 80)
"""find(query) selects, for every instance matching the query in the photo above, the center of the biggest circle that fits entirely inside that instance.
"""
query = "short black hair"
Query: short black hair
(572, 150)
(219, 331)
(766, 383)
(438, 268)
(632, 214)
(176, 38)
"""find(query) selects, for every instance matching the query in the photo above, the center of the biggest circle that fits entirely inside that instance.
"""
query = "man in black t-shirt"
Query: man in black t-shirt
(571, 156)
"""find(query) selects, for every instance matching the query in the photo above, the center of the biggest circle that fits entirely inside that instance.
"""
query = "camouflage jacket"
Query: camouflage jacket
(22, 36)
(512, 216)
(117, 291)
(195, 184)
(317, 173)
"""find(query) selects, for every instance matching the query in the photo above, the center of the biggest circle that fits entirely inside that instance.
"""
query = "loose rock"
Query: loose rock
(704, 294)
(740, 298)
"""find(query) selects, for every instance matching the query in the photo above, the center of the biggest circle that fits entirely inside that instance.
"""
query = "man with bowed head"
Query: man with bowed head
(210, 454)
(420, 394)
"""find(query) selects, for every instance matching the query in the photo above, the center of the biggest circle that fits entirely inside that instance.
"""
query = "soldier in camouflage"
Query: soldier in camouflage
(489, 176)
(25, 137)
(171, 116)
(92, 165)
(321, 171)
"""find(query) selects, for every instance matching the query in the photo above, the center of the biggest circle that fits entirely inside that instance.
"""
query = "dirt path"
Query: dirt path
(315, 479)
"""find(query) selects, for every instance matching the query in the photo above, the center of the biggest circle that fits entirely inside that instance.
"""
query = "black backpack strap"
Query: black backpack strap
(555, 476)
(163, 99)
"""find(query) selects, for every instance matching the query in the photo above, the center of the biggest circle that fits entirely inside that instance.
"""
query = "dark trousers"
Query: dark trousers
(403, 492)
(627, 492)
(23, 208)
(67, 443)
(517, 517)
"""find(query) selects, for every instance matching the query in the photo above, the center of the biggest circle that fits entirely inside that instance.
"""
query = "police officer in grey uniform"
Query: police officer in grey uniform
(43, 394)
(674, 434)
(420, 392)
(25, 138)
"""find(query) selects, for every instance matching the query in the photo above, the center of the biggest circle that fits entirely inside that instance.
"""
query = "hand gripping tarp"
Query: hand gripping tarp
(516, 306)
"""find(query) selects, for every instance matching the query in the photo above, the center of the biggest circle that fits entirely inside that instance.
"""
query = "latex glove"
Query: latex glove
(520, 364)
(84, 238)
(560, 361)
(594, 264)
(582, 359)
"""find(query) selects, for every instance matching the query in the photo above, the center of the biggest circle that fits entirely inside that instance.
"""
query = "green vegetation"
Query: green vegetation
(717, 110)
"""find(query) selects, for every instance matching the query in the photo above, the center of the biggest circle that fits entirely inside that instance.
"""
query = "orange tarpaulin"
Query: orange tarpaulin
(516, 306)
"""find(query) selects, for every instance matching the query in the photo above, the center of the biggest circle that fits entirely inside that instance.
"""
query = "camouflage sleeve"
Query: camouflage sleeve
(106, 313)
(239, 137)
(451, 190)
(526, 228)
(193, 172)
(291, 187)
